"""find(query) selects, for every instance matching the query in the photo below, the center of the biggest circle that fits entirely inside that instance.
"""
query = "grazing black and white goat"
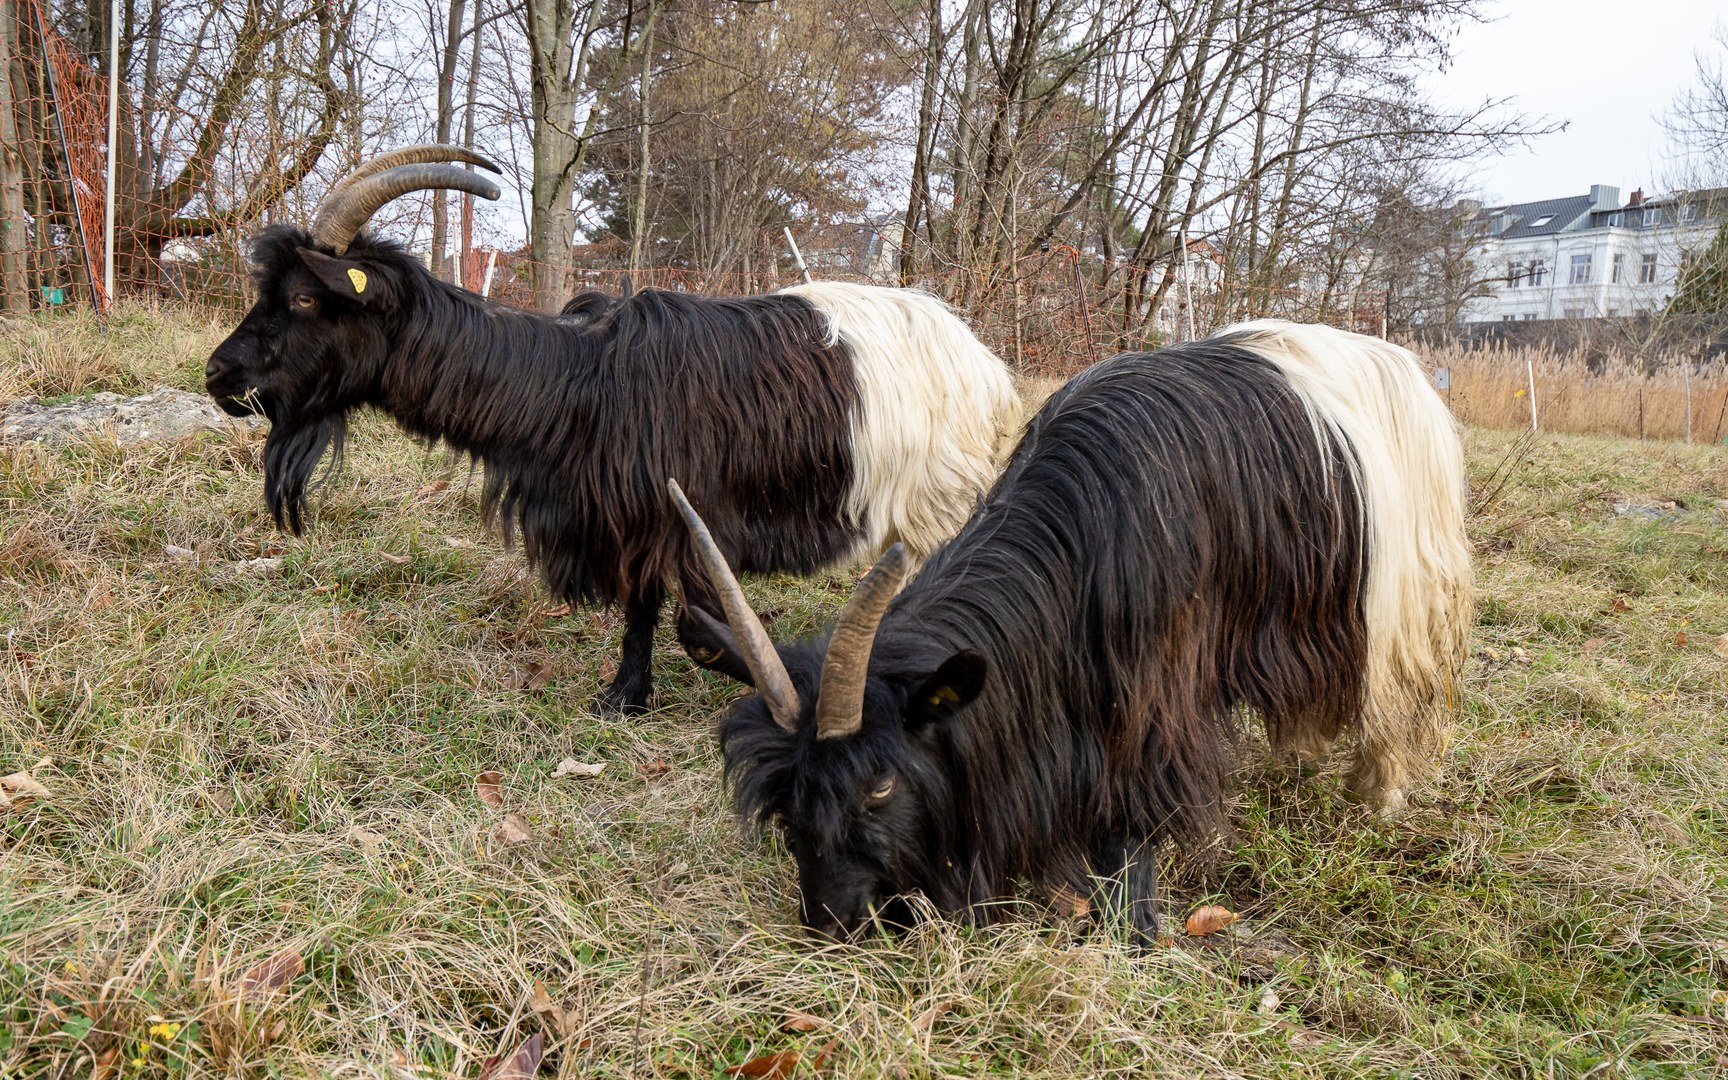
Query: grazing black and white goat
(1268, 520)
(816, 424)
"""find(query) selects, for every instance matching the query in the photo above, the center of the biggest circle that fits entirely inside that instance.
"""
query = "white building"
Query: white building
(1589, 256)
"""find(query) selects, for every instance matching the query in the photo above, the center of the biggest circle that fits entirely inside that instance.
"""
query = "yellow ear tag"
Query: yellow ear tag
(358, 277)
(945, 696)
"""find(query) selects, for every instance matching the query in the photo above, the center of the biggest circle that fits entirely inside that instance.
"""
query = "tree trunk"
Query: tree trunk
(445, 120)
(639, 205)
(14, 244)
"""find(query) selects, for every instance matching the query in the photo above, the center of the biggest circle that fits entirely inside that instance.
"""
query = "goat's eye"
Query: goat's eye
(305, 300)
(883, 789)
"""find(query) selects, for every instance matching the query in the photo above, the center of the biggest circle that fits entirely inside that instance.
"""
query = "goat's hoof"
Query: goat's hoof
(1390, 802)
(614, 703)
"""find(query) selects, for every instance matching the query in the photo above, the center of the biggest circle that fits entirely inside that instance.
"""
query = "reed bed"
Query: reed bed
(1614, 395)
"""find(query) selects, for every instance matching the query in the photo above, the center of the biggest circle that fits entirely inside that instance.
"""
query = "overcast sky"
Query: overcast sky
(1610, 67)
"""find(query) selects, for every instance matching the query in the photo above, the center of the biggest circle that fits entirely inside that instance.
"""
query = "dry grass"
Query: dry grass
(1490, 387)
(246, 762)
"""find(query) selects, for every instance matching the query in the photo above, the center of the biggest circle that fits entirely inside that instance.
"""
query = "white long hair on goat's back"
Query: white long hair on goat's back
(1420, 599)
(937, 412)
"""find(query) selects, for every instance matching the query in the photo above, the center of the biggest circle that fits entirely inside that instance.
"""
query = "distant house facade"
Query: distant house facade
(1589, 256)
(868, 249)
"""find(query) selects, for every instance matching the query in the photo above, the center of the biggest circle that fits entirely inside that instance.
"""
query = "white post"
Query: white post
(1188, 282)
(1530, 366)
(797, 256)
(491, 265)
(113, 138)
(1686, 373)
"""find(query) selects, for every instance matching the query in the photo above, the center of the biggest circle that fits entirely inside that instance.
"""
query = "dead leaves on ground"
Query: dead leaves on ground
(489, 787)
(1209, 920)
(514, 828)
(562, 1021)
(263, 979)
(572, 767)
(518, 1064)
(20, 789)
(779, 1065)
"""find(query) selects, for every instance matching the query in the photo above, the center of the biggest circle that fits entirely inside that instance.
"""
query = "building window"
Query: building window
(1651, 215)
(1541, 221)
(1538, 270)
(1505, 318)
(1574, 313)
(1529, 316)
(1580, 269)
(1613, 312)
(1689, 214)
(1615, 267)
(1514, 275)
(1647, 270)
(1616, 219)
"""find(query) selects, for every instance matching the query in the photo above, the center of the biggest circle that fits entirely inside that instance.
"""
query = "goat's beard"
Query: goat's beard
(291, 455)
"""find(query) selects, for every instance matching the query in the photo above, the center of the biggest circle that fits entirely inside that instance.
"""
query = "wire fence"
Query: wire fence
(1049, 314)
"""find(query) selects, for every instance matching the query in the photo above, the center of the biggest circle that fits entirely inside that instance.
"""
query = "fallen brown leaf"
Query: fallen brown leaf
(432, 489)
(648, 770)
(562, 1021)
(268, 976)
(487, 787)
(1592, 644)
(571, 767)
(367, 842)
(922, 1023)
(556, 613)
(774, 1066)
(180, 554)
(518, 1064)
(460, 542)
(535, 676)
(1209, 920)
(799, 1021)
(1680, 640)
(20, 788)
(398, 560)
(1520, 656)
(1720, 646)
(514, 830)
(1621, 603)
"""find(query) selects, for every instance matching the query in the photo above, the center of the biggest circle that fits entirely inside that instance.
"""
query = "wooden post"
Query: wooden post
(1686, 375)
(1530, 367)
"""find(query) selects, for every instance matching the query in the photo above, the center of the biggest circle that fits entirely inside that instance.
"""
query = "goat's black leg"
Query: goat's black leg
(1127, 887)
(629, 691)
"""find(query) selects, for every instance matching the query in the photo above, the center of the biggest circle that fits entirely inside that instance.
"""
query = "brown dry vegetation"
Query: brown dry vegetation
(255, 762)
(1490, 387)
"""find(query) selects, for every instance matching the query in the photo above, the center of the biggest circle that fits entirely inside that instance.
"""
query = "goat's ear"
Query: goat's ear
(947, 690)
(347, 278)
(709, 643)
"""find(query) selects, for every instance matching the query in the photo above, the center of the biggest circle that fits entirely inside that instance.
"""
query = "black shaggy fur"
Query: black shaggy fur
(578, 421)
(1054, 694)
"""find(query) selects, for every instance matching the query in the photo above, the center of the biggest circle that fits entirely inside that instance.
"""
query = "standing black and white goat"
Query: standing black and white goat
(816, 424)
(1271, 519)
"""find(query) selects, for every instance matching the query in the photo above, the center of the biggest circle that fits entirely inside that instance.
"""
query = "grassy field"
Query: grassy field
(262, 850)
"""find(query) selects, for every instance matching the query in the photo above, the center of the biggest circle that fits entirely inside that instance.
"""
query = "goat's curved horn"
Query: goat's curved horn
(409, 155)
(840, 702)
(772, 681)
(354, 201)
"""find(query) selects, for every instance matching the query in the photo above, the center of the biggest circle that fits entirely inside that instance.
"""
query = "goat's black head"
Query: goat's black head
(848, 757)
(313, 345)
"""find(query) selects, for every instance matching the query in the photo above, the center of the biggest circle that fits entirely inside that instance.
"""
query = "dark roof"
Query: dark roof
(1560, 213)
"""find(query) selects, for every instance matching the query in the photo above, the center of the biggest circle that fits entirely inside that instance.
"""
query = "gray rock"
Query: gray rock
(162, 415)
